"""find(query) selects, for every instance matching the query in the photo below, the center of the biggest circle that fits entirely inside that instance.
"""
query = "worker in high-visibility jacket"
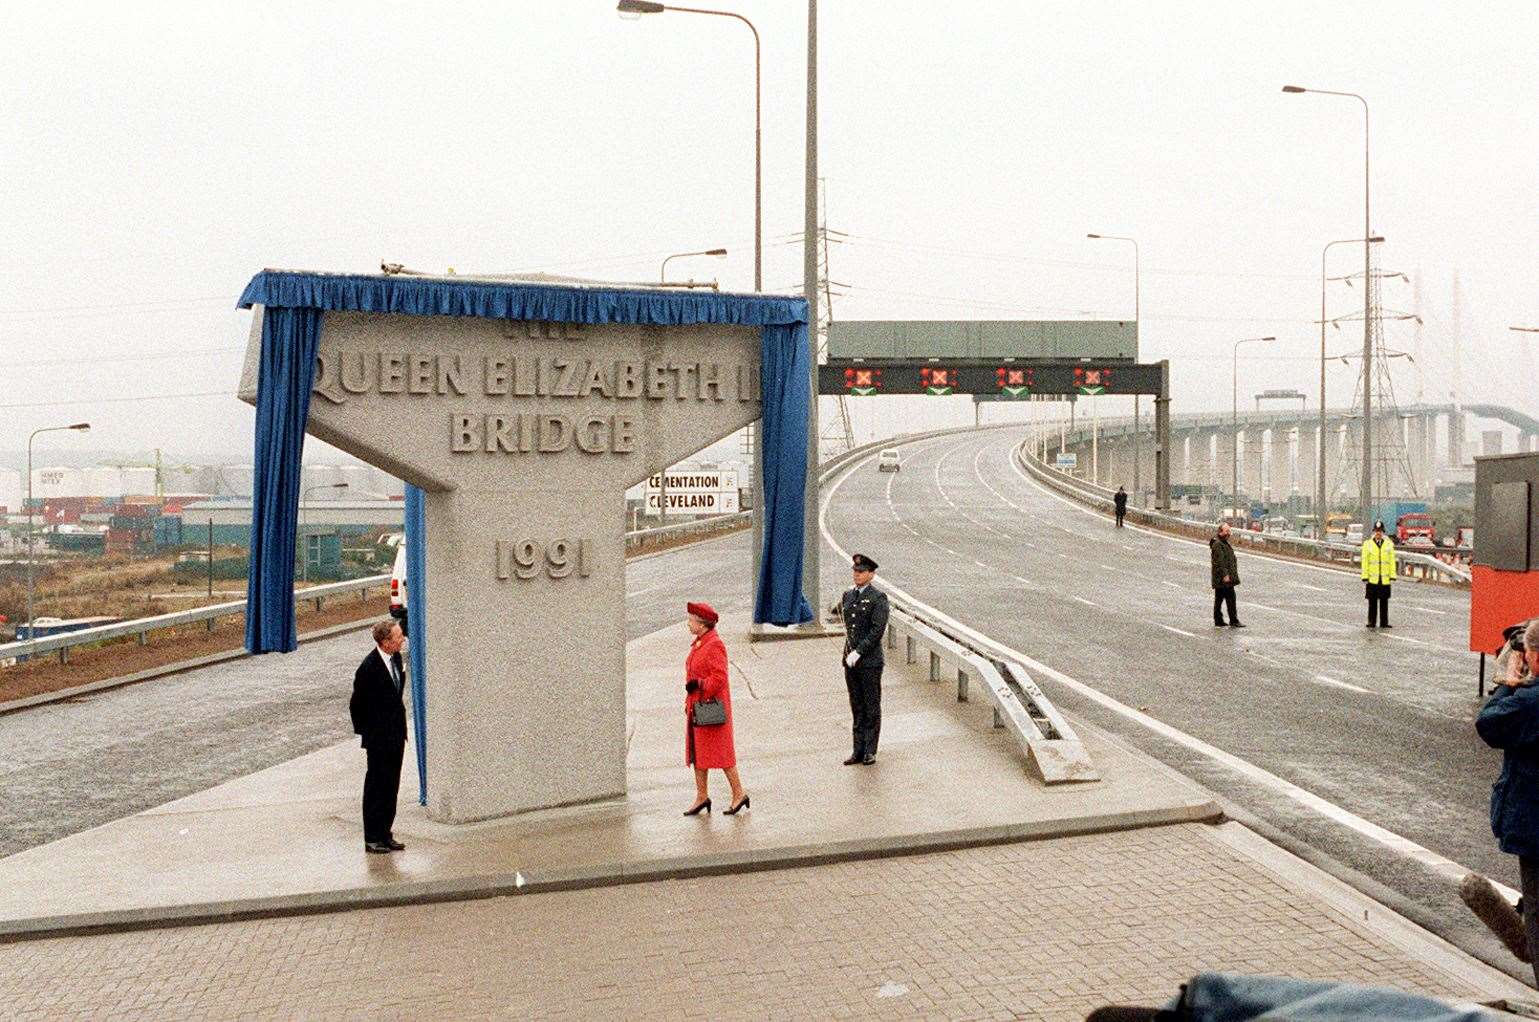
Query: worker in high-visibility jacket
(1378, 559)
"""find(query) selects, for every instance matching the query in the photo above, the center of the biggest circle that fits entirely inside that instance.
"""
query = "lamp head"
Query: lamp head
(1092, 235)
(1294, 88)
(81, 426)
(716, 252)
(632, 10)
(1376, 239)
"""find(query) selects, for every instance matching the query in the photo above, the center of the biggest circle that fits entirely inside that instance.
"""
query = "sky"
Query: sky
(154, 157)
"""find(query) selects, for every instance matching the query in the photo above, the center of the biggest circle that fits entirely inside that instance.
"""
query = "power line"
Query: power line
(119, 400)
(155, 355)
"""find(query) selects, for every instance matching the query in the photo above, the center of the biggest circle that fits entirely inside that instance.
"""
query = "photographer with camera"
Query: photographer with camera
(1510, 721)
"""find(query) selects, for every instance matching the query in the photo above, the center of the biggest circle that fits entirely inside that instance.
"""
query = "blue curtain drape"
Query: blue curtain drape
(787, 394)
(284, 378)
(417, 622)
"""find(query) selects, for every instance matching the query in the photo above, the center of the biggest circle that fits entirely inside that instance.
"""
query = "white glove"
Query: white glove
(851, 658)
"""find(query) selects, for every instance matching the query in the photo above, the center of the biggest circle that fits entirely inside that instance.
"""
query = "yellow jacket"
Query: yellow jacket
(1379, 561)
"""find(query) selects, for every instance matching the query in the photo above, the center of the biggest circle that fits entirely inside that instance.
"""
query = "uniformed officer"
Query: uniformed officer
(1378, 557)
(864, 609)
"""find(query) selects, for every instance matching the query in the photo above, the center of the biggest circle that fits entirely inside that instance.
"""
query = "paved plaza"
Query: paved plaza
(1034, 930)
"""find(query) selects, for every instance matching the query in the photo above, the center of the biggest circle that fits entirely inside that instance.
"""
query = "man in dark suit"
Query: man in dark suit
(379, 715)
(864, 609)
(1120, 501)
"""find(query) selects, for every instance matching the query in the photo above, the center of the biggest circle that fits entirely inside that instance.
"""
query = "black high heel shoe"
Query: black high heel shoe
(736, 808)
(706, 806)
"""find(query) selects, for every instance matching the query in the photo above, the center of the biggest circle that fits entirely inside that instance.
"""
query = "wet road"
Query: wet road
(1376, 723)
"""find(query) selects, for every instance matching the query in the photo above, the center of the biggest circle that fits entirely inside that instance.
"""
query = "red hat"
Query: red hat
(703, 611)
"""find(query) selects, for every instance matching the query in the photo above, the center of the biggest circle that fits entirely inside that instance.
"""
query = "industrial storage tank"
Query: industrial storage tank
(235, 480)
(316, 480)
(138, 482)
(189, 479)
(58, 481)
(104, 481)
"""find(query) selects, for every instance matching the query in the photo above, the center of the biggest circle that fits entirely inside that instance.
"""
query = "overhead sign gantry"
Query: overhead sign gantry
(1000, 360)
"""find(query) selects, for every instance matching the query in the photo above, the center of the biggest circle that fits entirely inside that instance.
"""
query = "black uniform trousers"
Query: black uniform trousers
(865, 684)
(1224, 596)
(381, 788)
(1378, 605)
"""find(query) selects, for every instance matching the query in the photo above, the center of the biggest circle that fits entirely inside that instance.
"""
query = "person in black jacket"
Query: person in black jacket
(1120, 502)
(864, 609)
(1226, 575)
(379, 716)
(1509, 721)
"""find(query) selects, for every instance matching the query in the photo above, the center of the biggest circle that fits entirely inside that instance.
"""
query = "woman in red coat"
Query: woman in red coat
(708, 746)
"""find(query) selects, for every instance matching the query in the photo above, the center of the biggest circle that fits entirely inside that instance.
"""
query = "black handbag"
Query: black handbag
(709, 713)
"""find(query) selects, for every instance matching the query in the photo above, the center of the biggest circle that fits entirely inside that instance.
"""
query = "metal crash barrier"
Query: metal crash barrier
(1410, 564)
(1052, 748)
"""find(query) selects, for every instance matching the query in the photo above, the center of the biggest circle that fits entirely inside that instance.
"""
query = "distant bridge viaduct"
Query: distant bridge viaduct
(1278, 449)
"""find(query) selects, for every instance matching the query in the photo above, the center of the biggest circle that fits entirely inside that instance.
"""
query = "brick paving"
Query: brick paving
(1044, 930)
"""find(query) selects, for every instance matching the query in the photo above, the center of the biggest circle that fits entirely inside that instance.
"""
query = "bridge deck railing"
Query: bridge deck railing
(1409, 563)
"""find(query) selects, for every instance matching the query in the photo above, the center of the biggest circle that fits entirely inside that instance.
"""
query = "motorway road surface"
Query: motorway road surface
(1376, 723)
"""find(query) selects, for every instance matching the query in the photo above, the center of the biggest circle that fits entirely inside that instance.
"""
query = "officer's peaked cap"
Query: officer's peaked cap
(861, 562)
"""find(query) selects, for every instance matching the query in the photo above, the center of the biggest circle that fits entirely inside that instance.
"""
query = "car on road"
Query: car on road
(1355, 533)
(887, 461)
(398, 586)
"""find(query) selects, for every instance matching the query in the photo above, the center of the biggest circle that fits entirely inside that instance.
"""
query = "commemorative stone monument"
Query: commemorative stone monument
(524, 436)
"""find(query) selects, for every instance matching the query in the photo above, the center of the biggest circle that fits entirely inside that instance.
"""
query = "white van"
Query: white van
(887, 461)
(398, 586)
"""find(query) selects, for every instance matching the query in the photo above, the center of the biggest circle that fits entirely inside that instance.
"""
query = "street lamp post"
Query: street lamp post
(81, 426)
(1234, 421)
(1365, 494)
(1137, 319)
(635, 9)
(304, 556)
(1320, 465)
(662, 274)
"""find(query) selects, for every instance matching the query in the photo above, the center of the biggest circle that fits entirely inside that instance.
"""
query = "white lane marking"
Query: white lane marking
(980, 564)
(1428, 610)
(1440, 865)
(1172, 628)
(1326, 680)
(1173, 585)
(1132, 548)
(1318, 589)
(1019, 578)
(1258, 606)
(1108, 567)
(1086, 602)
